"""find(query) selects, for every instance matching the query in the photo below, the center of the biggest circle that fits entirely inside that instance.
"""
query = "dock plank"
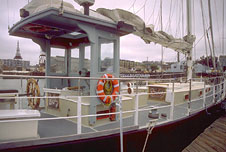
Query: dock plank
(213, 143)
(212, 139)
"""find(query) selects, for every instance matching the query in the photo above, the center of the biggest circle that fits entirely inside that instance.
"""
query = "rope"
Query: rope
(218, 29)
(152, 13)
(194, 27)
(8, 13)
(132, 6)
(203, 23)
(149, 131)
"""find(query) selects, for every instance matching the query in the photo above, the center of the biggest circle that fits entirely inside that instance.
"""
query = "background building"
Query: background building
(17, 63)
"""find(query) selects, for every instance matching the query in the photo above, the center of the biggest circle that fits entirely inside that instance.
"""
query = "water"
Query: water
(20, 85)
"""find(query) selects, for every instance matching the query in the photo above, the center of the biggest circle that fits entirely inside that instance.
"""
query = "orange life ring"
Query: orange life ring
(107, 89)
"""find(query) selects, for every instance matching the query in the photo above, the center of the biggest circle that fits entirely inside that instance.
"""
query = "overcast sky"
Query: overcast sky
(132, 47)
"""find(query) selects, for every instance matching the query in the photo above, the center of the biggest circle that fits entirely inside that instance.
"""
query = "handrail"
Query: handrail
(136, 109)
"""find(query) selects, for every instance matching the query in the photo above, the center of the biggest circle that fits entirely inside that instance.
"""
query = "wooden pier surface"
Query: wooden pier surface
(213, 139)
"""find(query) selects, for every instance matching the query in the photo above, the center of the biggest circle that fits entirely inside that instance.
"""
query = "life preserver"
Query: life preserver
(107, 89)
(33, 91)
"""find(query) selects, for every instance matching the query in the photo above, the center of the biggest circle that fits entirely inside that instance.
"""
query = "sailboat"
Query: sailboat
(93, 109)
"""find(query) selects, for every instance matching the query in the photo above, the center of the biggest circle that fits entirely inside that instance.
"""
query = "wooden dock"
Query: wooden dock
(213, 139)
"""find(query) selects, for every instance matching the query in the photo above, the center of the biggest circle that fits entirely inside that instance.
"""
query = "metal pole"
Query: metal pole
(223, 32)
(172, 104)
(204, 31)
(204, 95)
(136, 110)
(211, 29)
(79, 84)
(189, 31)
(224, 88)
(79, 119)
(21, 91)
(189, 101)
(213, 91)
(121, 125)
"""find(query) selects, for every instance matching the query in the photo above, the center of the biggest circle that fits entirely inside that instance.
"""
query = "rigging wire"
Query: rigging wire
(178, 23)
(7, 4)
(169, 19)
(193, 6)
(132, 6)
(161, 30)
(182, 18)
(142, 7)
(157, 19)
(203, 36)
(218, 29)
(211, 32)
(152, 13)
(182, 25)
(203, 23)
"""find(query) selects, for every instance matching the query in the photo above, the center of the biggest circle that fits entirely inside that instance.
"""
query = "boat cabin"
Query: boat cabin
(66, 28)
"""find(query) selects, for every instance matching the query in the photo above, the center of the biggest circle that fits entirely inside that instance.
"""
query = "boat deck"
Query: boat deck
(212, 139)
(63, 127)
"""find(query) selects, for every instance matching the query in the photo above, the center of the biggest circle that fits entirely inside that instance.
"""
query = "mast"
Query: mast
(189, 31)
(161, 30)
(223, 32)
(211, 30)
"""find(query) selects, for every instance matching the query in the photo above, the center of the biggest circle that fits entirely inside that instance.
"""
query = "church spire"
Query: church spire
(18, 56)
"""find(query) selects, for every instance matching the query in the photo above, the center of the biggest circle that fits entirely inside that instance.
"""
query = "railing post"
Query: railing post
(213, 91)
(21, 91)
(172, 104)
(224, 88)
(79, 119)
(121, 125)
(204, 94)
(136, 109)
(79, 83)
(189, 101)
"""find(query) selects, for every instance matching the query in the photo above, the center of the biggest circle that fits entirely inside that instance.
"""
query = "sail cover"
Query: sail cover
(147, 33)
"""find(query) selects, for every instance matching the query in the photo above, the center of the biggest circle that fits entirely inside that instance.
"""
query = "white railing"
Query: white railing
(136, 110)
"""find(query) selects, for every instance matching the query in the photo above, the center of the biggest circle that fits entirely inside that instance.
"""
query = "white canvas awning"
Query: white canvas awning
(147, 33)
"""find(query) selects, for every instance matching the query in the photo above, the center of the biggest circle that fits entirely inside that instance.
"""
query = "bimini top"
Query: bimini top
(63, 25)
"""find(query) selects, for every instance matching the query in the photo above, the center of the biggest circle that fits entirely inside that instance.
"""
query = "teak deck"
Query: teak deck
(212, 139)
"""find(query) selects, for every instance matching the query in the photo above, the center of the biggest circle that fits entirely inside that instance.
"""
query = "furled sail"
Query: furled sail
(147, 33)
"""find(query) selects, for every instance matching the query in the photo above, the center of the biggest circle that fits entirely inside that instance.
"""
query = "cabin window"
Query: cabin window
(106, 59)
(57, 61)
(75, 62)
(87, 57)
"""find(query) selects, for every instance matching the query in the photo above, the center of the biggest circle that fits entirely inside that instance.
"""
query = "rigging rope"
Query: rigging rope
(149, 131)
(152, 13)
(169, 20)
(178, 23)
(193, 5)
(132, 6)
(8, 12)
(218, 29)
(204, 29)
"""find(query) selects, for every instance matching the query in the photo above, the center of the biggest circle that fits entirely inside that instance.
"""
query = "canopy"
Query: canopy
(147, 33)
